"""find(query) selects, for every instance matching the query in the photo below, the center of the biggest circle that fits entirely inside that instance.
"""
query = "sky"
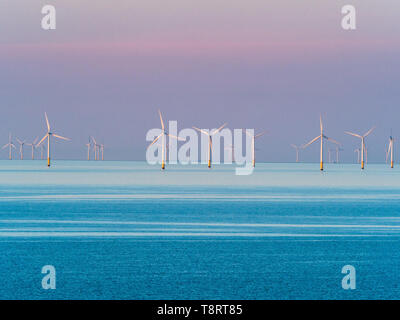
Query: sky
(268, 65)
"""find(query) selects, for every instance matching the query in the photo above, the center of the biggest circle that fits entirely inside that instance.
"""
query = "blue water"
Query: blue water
(126, 230)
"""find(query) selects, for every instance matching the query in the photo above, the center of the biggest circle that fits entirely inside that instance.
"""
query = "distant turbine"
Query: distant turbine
(95, 148)
(102, 151)
(329, 155)
(48, 136)
(9, 145)
(321, 137)
(358, 154)
(33, 145)
(210, 140)
(253, 144)
(337, 153)
(41, 151)
(297, 148)
(363, 146)
(88, 149)
(162, 136)
(390, 150)
(21, 148)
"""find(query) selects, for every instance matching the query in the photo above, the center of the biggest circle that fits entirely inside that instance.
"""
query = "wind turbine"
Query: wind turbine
(102, 151)
(33, 145)
(48, 136)
(253, 144)
(162, 136)
(9, 145)
(321, 137)
(329, 155)
(363, 147)
(21, 148)
(297, 148)
(210, 135)
(41, 151)
(390, 150)
(95, 148)
(358, 154)
(88, 149)
(337, 153)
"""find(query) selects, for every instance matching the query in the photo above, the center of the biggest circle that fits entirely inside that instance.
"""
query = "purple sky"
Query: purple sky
(272, 65)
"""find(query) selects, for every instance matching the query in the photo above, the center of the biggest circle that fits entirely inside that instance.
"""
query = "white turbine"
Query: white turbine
(363, 146)
(321, 137)
(48, 136)
(163, 134)
(253, 144)
(21, 148)
(33, 145)
(210, 135)
(390, 151)
(9, 145)
(297, 148)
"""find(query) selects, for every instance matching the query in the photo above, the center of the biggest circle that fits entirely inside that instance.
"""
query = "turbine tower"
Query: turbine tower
(358, 154)
(88, 149)
(48, 136)
(9, 145)
(33, 145)
(363, 146)
(163, 134)
(253, 144)
(338, 149)
(210, 135)
(21, 148)
(321, 137)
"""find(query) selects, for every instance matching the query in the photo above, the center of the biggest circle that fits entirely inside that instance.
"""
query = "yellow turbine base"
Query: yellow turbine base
(362, 165)
(321, 166)
(163, 165)
(209, 163)
(254, 163)
(392, 164)
(48, 162)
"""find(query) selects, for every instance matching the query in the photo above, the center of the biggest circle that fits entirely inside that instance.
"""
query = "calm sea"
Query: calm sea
(126, 230)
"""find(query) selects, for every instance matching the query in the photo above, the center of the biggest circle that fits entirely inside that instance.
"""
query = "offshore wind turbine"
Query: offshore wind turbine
(163, 134)
(101, 148)
(88, 149)
(48, 136)
(253, 144)
(390, 150)
(358, 154)
(297, 148)
(33, 145)
(9, 145)
(363, 146)
(210, 135)
(321, 137)
(21, 148)
(95, 148)
(337, 153)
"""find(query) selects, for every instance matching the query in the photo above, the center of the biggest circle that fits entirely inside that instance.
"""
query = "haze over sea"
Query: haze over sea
(126, 230)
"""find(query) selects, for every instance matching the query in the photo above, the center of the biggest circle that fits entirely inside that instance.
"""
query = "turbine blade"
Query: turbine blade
(155, 140)
(47, 121)
(353, 134)
(320, 122)
(202, 131)
(369, 131)
(5, 146)
(175, 137)
(311, 142)
(161, 119)
(219, 129)
(260, 134)
(41, 141)
(60, 137)
(331, 140)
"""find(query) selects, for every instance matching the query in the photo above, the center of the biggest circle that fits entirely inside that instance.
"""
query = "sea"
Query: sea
(128, 230)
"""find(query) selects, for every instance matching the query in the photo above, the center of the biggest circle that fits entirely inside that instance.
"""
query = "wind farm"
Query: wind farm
(363, 145)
